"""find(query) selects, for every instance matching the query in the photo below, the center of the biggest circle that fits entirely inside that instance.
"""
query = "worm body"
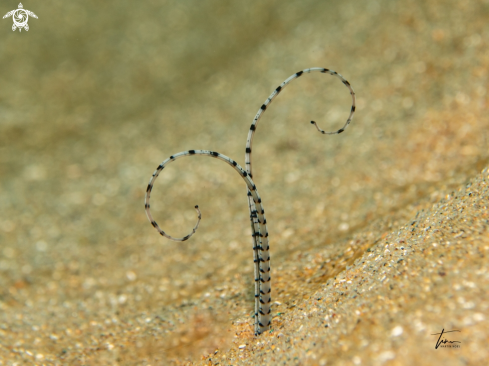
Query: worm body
(253, 218)
(262, 256)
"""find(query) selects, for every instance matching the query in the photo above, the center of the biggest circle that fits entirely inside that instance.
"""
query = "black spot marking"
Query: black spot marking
(253, 188)
(146, 205)
(259, 200)
(346, 82)
(297, 74)
(262, 302)
(172, 157)
(196, 206)
(266, 235)
(263, 107)
(248, 150)
(257, 295)
(278, 89)
(340, 130)
(160, 167)
(185, 238)
(214, 153)
(325, 70)
(252, 127)
(149, 188)
(264, 221)
(234, 163)
(154, 223)
(353, 108)
(244, 174)
(191, 151)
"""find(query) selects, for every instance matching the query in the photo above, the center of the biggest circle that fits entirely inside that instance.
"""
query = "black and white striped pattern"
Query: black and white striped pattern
(251, 204)
(258, 221)
(272, 96)
(261, 249)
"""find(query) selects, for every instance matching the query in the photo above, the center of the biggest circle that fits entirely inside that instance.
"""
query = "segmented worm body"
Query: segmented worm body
(258, 221)
(251, 204)
(261, 249)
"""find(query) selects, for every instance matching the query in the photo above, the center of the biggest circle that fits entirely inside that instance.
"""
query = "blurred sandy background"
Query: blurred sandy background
(96, 94)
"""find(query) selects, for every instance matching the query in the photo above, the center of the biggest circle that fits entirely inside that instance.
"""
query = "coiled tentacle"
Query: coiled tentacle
(261, 256)
(249, 141)
(272, 96)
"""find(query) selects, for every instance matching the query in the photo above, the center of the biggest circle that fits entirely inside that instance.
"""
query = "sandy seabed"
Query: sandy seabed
(378, 236)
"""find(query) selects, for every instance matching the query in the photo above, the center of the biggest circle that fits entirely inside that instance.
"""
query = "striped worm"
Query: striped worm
(261, 249)
(251, 205)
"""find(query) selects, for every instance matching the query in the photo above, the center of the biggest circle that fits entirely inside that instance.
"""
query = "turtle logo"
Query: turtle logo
(20, 17)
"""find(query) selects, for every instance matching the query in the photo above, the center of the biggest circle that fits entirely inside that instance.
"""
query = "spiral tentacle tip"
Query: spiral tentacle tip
(317, 127)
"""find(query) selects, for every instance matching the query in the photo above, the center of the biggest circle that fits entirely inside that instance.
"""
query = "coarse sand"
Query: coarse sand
(378, 236)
